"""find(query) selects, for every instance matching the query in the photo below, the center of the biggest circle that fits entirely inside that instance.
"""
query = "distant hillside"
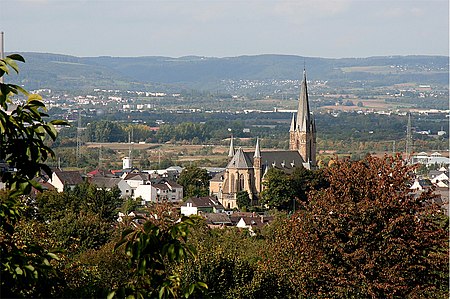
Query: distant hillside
(63, 72)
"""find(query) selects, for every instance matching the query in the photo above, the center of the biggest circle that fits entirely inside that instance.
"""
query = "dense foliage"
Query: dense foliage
(25, 265)
(195, 181)
(365, 236)
(284, 191)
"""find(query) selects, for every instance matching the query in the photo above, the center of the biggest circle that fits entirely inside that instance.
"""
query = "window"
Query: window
(241, 182)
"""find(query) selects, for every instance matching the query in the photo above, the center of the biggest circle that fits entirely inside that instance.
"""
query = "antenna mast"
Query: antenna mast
(100, 157)
(2, 49)
(78, 136)
(409, 139)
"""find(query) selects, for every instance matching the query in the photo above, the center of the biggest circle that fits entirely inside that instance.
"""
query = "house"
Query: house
(146, 192)
(420, 185)
(65, 179)
(197, 205)
(171, 173)
(437, 176)
(214, 220)
(443, 194)
(100, 173)
(434, 158)
(159, 191)
(168, 191)
(46, 186)
(254, 222)
(135, 179)
(108, 183)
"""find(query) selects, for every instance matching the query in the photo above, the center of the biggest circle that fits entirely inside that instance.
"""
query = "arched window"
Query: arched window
(232, 183)
(241, 182)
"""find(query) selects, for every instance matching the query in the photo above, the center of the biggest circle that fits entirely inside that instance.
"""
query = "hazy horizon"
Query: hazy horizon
(322, 28)
(219, 57)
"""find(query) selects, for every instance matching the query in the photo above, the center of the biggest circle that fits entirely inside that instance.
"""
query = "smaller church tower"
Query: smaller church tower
(231, 151)
(257, 167)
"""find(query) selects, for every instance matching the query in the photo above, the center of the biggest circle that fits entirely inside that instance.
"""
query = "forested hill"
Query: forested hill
(44, 70)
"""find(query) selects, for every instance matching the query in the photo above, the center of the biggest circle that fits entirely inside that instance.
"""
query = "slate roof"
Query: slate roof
(217, 218)
(105, 182)
(303, 114)
(101, 173)
(283, 160)
(218, 177)
(434, 173)
(173, 184)
(257, 221)
(69, 177)
(161, 186)
(204, 202)
(142, 176)
(241, 160)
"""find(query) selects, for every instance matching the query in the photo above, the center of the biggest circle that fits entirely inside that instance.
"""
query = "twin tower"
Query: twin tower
(246, 169)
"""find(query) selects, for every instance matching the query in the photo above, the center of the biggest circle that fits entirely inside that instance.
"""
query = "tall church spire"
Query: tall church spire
(303, 115)
(302, 134)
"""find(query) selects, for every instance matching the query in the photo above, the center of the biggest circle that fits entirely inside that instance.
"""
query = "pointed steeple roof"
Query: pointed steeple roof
(257, 150)
(231, 151)
(303, 115)
(240, 160)
(292, 129)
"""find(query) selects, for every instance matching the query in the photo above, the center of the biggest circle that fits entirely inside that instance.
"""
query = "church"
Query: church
(246, 169)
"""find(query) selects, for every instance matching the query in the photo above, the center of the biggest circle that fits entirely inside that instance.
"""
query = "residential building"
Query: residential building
(198, 205)
(108, 183)
(62, 180)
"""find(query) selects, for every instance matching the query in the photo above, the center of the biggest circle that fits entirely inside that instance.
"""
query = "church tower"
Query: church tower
(302, 133)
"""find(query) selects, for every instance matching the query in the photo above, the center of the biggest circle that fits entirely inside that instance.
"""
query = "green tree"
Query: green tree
(152, 248)
(286, 191)
(23, 146)
(304, 180)
(242, 200)
(278, 192)
(102, 202)
(195, 181)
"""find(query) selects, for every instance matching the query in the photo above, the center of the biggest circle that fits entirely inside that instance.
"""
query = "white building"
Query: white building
(164, 191)
(434, 158)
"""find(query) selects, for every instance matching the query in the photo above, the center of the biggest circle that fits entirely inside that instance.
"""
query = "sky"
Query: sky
(219, 28)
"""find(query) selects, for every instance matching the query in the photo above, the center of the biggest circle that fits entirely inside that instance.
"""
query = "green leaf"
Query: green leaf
(59, 122)
(16, 57)
(191, 288)
(52, 255)
(161, 292)
(4, 67)
(12, 64)
(111, 295)
(30, 267)
(202, 285)
(19, 88)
